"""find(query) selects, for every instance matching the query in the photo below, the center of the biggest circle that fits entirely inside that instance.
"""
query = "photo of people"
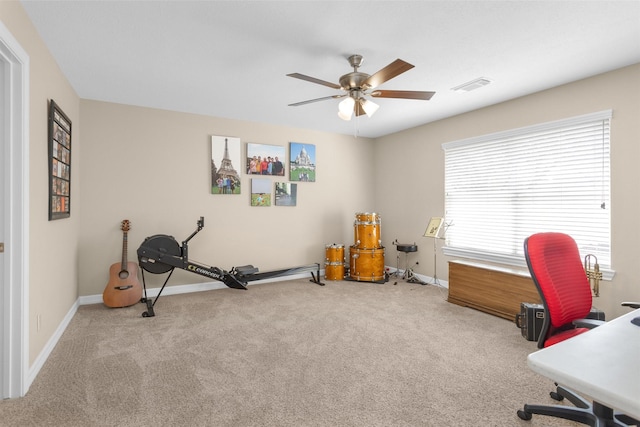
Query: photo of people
(265, 159)
(260, 192)
(302, 162)
(225, 156)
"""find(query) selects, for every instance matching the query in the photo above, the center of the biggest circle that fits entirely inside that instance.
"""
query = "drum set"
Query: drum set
(366, 255)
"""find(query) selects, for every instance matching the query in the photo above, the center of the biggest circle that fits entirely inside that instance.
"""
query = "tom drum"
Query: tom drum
(367, 231)
(334, 264)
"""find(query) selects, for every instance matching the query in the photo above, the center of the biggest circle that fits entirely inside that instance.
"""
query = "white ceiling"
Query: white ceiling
(230, 58)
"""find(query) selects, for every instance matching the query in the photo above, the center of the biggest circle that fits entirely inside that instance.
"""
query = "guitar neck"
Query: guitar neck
(124, 250)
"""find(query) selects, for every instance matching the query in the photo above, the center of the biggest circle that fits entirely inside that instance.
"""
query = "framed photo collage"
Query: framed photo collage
(267, 167)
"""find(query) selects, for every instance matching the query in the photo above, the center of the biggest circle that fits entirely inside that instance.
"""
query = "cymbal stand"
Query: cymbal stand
(397, 272)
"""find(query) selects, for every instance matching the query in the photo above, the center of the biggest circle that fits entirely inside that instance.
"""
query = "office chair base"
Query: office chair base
(594, 416)
(627, 420)
(562, 393)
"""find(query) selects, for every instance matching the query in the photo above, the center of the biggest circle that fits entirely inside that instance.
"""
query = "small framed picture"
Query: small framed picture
(59, 163)
(286, 194)
(260, 192)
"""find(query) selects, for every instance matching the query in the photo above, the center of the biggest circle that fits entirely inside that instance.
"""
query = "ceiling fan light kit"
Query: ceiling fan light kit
(369, 107)
(345, 108)
(357, 85)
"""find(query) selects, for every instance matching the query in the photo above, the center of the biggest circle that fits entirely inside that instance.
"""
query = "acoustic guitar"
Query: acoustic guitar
(123, 288)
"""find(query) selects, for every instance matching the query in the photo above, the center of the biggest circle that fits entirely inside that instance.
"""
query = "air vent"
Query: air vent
(472, 85)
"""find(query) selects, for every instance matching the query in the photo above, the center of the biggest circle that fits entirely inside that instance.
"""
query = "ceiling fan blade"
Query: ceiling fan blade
(392, 70)
(406, 94)
(313, 80)
(317, 99)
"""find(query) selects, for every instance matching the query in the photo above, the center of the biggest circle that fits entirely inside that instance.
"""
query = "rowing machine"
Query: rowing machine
(161, 254)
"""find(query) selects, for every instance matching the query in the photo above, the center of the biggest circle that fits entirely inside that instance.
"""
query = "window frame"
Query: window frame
(509, 136)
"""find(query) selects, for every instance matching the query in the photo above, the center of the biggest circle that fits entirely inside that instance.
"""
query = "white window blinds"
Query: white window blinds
(501, 188)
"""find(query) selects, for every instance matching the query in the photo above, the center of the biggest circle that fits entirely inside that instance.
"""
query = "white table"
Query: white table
(602, 364)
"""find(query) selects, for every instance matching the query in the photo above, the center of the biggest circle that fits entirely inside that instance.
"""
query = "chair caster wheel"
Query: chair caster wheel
(523, 415)
(556, 396)
(145, 314)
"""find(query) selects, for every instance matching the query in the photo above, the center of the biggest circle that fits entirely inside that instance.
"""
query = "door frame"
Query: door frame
(14, 285)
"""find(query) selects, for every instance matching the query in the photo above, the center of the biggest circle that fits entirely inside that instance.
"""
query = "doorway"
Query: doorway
(14, 215)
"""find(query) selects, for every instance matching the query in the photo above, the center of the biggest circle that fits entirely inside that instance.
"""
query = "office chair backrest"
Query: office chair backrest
(556, 269)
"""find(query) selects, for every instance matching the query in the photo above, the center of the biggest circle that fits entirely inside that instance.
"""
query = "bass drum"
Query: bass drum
(366, 265)
(149, 249)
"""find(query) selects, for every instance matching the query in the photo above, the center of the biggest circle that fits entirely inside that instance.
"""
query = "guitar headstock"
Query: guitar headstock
(126, 225)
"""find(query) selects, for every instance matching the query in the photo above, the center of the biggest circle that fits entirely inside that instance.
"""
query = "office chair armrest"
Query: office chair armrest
(587, 323)
(631, 304)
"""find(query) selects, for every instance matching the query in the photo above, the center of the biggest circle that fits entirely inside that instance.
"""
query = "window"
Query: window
(503, 187)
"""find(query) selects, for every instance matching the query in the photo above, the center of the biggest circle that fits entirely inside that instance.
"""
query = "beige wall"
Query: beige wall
(408, 200)
(153, 168)
(53, 256)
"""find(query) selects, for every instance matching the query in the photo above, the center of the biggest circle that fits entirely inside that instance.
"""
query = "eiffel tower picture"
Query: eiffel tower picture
(225, 151)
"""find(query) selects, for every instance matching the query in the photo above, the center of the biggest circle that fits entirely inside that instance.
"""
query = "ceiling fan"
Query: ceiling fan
(357, 86)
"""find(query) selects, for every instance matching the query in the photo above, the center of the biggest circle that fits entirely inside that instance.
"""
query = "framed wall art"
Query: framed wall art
(265, 159)
(302, 161)
(225, 157)
(59, 163)
(260, 192)
(286, 194)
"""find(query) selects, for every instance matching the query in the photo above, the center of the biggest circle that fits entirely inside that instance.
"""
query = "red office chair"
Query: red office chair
(557, 271)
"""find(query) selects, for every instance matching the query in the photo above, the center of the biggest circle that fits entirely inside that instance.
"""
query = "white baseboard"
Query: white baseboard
(195, 287)
(426, 279)
(48, 348)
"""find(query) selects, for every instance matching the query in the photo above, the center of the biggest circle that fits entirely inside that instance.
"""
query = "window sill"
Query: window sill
(505, 260)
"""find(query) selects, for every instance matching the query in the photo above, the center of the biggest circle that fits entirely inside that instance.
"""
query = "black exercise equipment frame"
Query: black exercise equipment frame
(168, 255)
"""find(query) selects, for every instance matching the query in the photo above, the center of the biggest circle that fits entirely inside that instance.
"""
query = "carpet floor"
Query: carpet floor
(287, 353)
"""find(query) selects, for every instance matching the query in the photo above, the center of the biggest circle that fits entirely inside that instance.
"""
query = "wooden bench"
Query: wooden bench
(492, 289)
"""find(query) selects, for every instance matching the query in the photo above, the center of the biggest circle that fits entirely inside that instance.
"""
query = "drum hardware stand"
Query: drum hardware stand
(161, 254)
(408, 272)
(397, 272)
(411, 277)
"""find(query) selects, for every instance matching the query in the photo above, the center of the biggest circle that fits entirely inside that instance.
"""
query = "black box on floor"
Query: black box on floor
(531, 318)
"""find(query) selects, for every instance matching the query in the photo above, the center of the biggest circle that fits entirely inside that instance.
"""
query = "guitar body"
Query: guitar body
(122, 292)
(124, 287)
